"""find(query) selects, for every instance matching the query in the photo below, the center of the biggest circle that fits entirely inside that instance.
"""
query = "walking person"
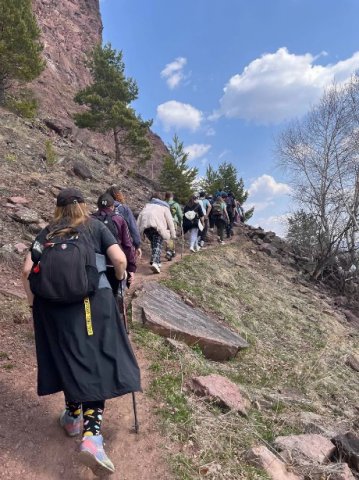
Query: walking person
(207, 207)
(156, 223)
(231, 205)
(81, 344)
(177, 215)
(220, 215)
(124, 210)
(192, 220)
(119, 228)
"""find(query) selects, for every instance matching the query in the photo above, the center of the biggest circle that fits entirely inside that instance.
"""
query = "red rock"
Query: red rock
(222, 391)
(164, 312)
(342, 472)
(18, 200)
(307, 447)
(263, 458)
(21, 247)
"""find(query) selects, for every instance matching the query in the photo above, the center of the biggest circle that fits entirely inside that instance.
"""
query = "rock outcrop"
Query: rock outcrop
(70, 30)
(165, 313)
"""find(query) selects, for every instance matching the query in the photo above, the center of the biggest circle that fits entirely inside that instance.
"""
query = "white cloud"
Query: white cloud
(267, 186)
(210, 132)
(173, 114)
(197, 150)
(279, 86)
(173, 72)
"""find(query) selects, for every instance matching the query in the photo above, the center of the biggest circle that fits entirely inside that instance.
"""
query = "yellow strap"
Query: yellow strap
(88, 316)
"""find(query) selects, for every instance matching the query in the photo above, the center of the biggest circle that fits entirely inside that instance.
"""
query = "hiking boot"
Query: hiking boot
(169, 256)
(197, 248)
(221, 242)
(72, 426)
(201, 243)
(93, 456)
(192, 249)
(155, 268)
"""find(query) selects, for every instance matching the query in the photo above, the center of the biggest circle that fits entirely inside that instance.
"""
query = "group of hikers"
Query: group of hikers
(162, 221)
(74, 277)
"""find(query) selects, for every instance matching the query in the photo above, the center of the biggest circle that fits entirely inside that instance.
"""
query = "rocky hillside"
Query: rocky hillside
(40, 156)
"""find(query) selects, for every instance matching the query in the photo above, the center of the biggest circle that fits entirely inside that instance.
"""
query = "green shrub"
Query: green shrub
(50, 154)
(24, 104)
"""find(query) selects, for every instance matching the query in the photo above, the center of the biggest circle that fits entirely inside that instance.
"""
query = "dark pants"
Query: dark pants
(203, 235)
(221, 225)
(212, 221)
(229, 226)
(156, 244)
(111, 277)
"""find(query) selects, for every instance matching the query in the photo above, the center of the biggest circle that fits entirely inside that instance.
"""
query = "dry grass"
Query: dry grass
(296, 362)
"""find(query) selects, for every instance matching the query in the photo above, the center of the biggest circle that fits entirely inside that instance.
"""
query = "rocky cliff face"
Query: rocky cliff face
(70, 28)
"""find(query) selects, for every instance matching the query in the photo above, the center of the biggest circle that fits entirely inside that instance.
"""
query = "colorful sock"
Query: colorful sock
(93, 412)
(74, 409)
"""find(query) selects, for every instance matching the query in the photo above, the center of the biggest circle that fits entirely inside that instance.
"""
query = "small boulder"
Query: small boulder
(261, 457)
(305, 448)
(222, 391)
(267, 248)
(353, 362)
(21, 248)
(82, 171)
(25, 215)
(348, 449)
(18, 200)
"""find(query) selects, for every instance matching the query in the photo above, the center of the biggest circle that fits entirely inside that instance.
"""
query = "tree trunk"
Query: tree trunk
(117, 145)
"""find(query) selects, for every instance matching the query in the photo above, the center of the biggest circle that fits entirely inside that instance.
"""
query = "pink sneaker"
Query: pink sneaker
(93, 456)
(72, 426)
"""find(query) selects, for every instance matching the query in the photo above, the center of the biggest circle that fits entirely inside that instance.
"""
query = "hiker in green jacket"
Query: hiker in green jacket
(177, 215)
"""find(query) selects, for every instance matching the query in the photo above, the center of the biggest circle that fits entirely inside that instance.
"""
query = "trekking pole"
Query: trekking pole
(182, 234)
(122, 307)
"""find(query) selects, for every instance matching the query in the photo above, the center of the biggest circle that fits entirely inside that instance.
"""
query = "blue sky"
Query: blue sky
(227, 76)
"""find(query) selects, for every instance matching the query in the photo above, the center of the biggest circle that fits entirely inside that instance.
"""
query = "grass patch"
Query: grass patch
(295, 363)
(8, 366)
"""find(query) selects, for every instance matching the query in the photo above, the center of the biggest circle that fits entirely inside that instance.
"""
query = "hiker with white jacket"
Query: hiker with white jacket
(156, 222)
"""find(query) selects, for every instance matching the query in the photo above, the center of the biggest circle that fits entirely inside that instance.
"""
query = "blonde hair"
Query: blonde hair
(67, 218)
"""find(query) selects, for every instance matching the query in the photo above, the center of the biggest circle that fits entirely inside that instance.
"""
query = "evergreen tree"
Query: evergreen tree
(108, 100)
(304, 233)
(176, 176)
(20, 46)
(225, 179)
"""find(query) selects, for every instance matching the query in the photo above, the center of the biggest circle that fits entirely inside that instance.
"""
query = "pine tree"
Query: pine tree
(20, 46)
(108, 100)
(176, 176)
(304, 232)
(226, 179)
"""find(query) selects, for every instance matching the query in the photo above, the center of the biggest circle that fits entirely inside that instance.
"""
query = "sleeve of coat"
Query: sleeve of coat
(170, 222)
(179, 213)
(132, 226)
(127, 246)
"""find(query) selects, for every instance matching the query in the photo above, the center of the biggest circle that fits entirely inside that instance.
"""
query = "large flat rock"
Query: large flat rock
(165, 313)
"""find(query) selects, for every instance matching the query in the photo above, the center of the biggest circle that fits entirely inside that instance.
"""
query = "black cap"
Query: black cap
(68, 196)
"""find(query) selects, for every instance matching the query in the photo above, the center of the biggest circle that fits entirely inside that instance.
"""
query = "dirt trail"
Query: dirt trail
(34, 447)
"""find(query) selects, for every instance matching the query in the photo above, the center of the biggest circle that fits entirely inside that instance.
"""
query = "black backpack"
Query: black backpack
(108, 221)
(65, 272)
